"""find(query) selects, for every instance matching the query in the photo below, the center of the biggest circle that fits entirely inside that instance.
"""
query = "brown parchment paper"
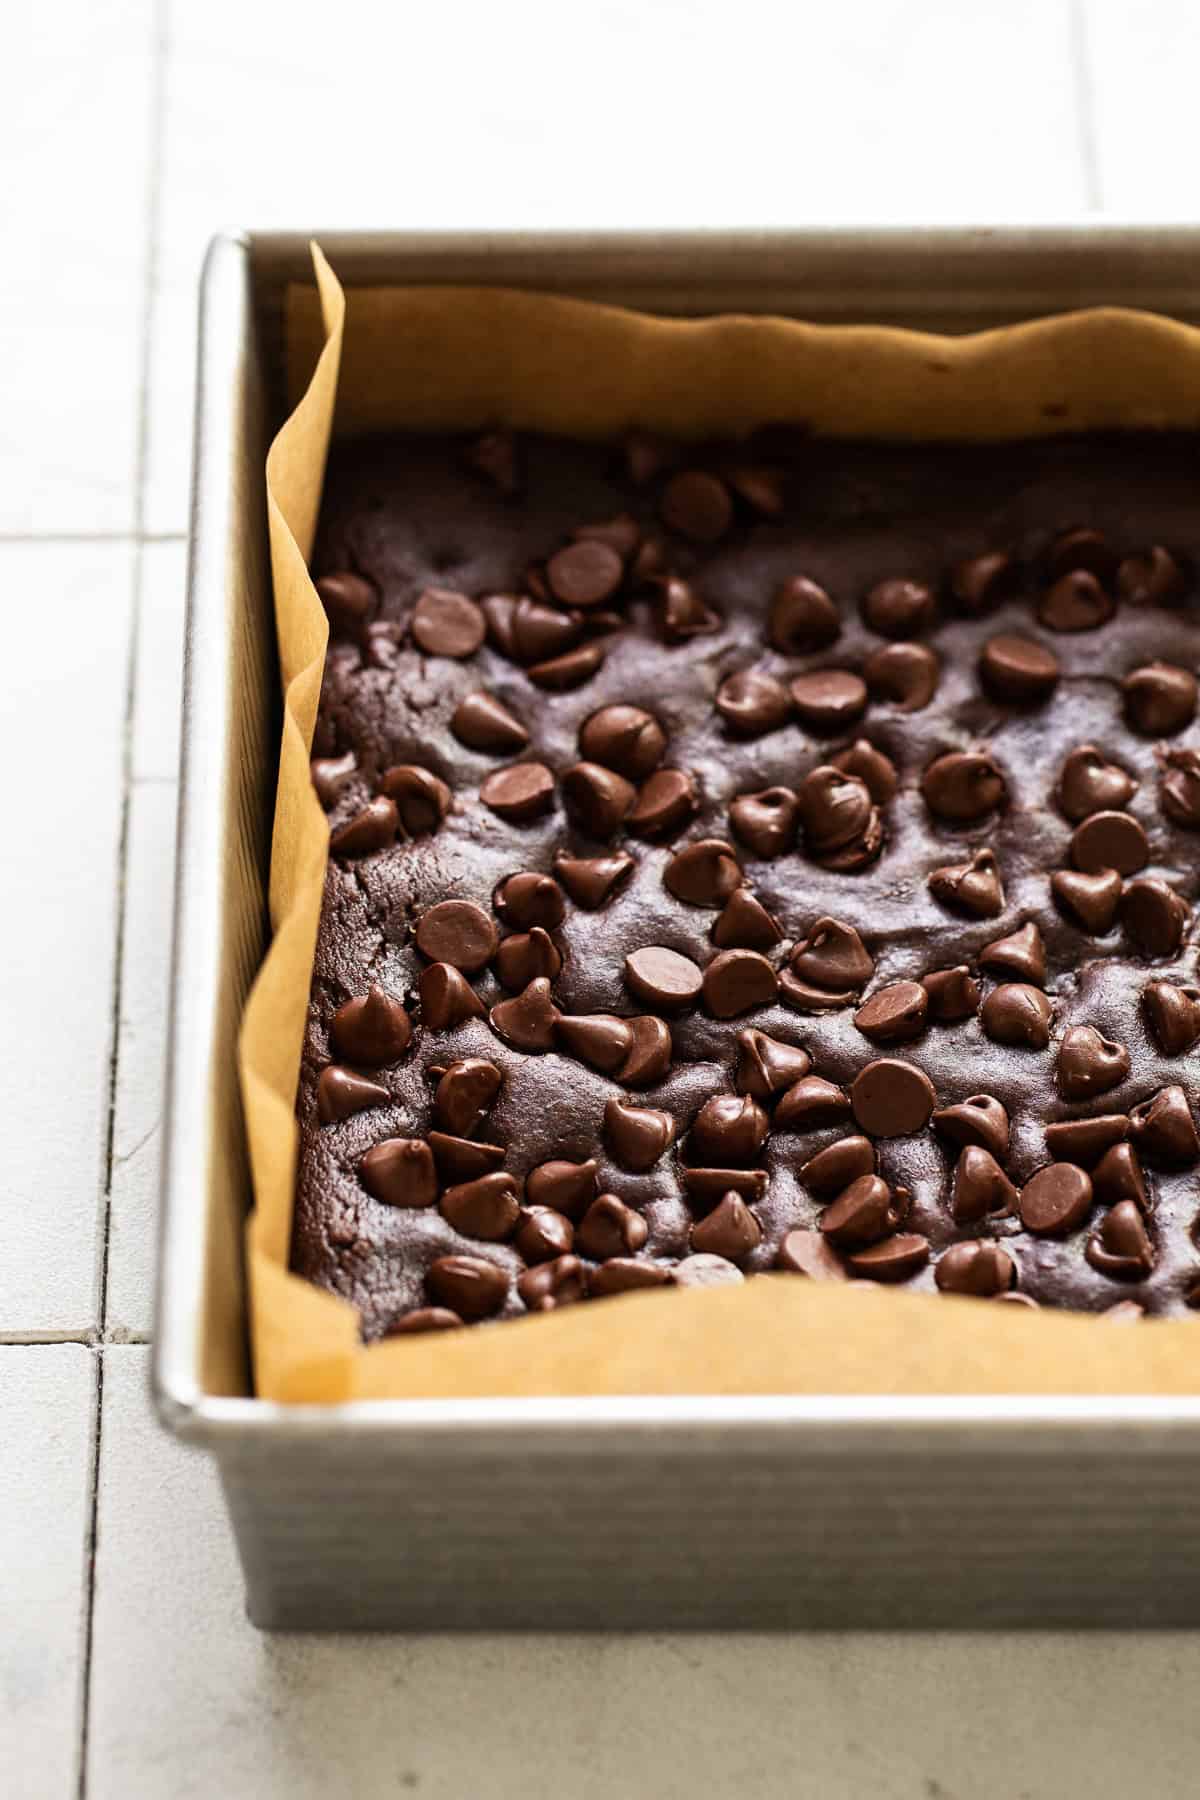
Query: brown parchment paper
(446, 358)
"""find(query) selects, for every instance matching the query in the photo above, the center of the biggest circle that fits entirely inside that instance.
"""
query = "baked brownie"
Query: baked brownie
(778, 856)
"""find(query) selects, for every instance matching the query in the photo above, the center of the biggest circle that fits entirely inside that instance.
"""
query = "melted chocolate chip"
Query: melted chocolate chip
(1018, 670)
(400, 1172)
(981, 1120)
(1160, 699)
(571, 670)
(765, 821)
(650, 1051)
(567, 1187)
(461, 1159)
(1151, 578)
(1163, 1131)
(1179, 788)
(895, 1259)
(374, 828)
(737, 980)
(465, 1095)
(682, 614)
(752, 703)
(729, 1131)
(832, 1170)
(802, 618)
(1076, 602)
(528, 899)
(349, 601)
(637, 1135)
(766, 1066)
(811, 1102)
(624, 1275)
(610, 1228)
(422, 799)
(1118, 1176)
(869, 765)
(526, 955)
(372, 1029)
(1109, 840)
(597, 799)
(1089, 783)
(1091, 900)
(832, 956)
(828, 699)
(705, 873)
(1020, 953)
(963, 785)
(979, 583)
(1173, 1015)
(331, 775)
(1154, 916)
(864, 1212)
(899, 608)
(527, 1022)
(973, 888)
(663, 805)
(486, 1208)
(624, 738)
(1016, 1013)
(543, 1235)
(1089, 1064)
(469, 1285)
(540, 632)
(1120, 1246)
(445, 623)
(905, 674)
(980, 1187)
(591, 881)
(975, 1268)
(1085, 1140)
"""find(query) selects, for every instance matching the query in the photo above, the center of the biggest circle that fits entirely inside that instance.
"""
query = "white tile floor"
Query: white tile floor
(130, 132)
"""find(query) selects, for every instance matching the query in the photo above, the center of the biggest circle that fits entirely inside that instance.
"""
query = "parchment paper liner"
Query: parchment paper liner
(446, 358)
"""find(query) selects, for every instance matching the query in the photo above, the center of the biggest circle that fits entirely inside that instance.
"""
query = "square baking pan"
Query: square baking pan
(604, 1512)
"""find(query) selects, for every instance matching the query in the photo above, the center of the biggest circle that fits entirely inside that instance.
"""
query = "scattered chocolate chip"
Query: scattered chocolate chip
(973, 888)
(977, 1268)
(400, 1172)
(447, 997)
(331, 775)
(1076, 602)
(899, 608)
(624, 738)
(1160, 699)
(528, 1021)
(681, 613)
(765, 821)
(650, 1051)
(865, 1211)
(839, 819)
(1091, 900)
(979, 583)
(445, 623)
(624, 1275)
(1163, 1130)
(528, 899)
(833, 1169)
(1173, 1015)
(1109, 840)
(482, 722)
(730, 1231)
(466, 1094)
(697, 505)
(1118, 1176)
(828, 699)
(469, 1285)
(553, 1284)
(738, 980)
(423, 1318)
(610, 1228)
(601, 1040)
(462, 1159)
(1089, 1064)
(597, 799)
(349, 601)
(876, 771)
(374, 828)
(1016, 1013)
(766, 1066)
(1085, 1140)
(745, 924)
(540, 632)
(833, 956)
(729, 1131)
(895, 1259)
(565, 1187)
(807, 998)
(953, 994)
(705, 873)
(980, 1187)
(808, 1253)
(542, 1234)
(1089, 783)
(1151, 578)
(520, 793)
(1021, 953)
(1120, 1246)
(459, 933)
(422, 799)
(487, 1207)
(1081, 547)
(621, 533)
(905, 674)
(980, 1119)
(1154, 915)
(372, 1029)
(1017, 669)
(706, 1271)
(570, 670)
(802, 618)
(963, 785)
(637, 1135)
(1179, 788)
(705, 1187)
(591, 881)
(664, 804)
(1056, 1199)
(662, 978)
(526, 955)
(752, 703)
(341, 1093)
(894, 1014)
(892, 1098)
(586, 573)
(810, 1103)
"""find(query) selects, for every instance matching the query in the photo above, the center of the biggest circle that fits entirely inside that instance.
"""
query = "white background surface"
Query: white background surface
(129, 132)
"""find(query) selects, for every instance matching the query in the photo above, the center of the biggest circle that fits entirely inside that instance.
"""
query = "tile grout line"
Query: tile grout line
(155, 137)
(1085, 109)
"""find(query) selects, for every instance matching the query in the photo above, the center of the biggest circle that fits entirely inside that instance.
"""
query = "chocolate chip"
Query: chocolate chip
(1109, 840)
(621, 533)
(341, 1093)
(528, 899)
(1179, 788)
(953, 994)
(1076, 602)
(1118, 1176)
(543, 1234)
(540, 632)
(980, 1119)
(591, 881)
(828, 699)
(876, 771)
(599, 1039)
(586, 573)
(1085, 1140)
(899, 608)
(374, 828)
(737, 980)
(833, 1169)
(526, 955)
(485, 1208)
(811, 1102)
(1154, 915)
(905, 674)
(836, 813)
(482, 722)
(1081, 547)
(1056, 1199)
(423, 1318)
(1089, 1064)
(1015, 1013)
(1173, 1015)
(624, 738)
(729, 1132)
(553, 1284)
(637, 1135)
(445, 623)
(570, 670)
(469, 1285)
(466, 1094)
(752, 703)
(895, 1259)
(978, 583)
(528, 1021)
(745, 924)
(682, 614)
(1163, 1130)
(802, 618)
(331, 775)
(833, 956)
(766, 1065)
(372, 1029)
(730, 1231)
(980, 1187)
(462, 1159)
(1160, 699)
(664, 804)
(1120, 1246)
(597, 799)
(1089, 783)
(662, 978)
(649, 1058)
(697, 505)
(520, 793)
(1151, 578)
(765, 821)
(349, 600)
(1017, 669)
(1091, 900)
(422, 799)
(808, 1253)
(972, 887)
(705, 1187)
(459, 933)
(567, 1187)
(892, 1098)
(447, 998)
(806, 998)
(400, 1172)
(963, 785)
(706, 1271)
(610, 1228)
(705, 873)
(894, 1014)
(1021, 953)
(624, 1275)
(975, 1268)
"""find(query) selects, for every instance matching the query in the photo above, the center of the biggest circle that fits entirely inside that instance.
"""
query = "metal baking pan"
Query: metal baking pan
(604, 1512)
